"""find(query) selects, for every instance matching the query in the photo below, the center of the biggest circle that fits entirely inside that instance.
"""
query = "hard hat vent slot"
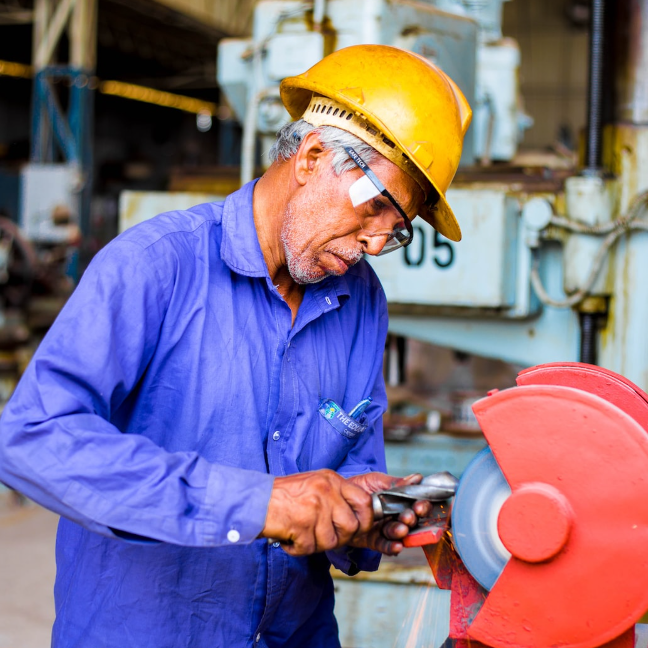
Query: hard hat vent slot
(324, 111)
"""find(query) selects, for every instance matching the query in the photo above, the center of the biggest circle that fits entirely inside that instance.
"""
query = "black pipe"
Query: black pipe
(593, 155)
(588, 341)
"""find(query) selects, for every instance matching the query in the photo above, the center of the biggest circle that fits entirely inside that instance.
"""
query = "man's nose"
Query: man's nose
(371, 243)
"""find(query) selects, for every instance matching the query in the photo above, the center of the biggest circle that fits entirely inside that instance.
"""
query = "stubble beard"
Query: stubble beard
(303, 267)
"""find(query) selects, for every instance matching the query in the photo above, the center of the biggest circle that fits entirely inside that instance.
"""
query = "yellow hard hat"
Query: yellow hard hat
(399, 103)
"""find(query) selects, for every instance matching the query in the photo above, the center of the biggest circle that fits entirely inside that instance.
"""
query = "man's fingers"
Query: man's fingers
(304, 545)
(345, 523)
(374, 481)
(386, 546)
(423, 509)
(321, 510)
(408, 517)
(360, 501)
(326, 535)
(395, 530)
(414, 478)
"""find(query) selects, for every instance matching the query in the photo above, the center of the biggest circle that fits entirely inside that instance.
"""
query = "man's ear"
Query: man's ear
(308, 160)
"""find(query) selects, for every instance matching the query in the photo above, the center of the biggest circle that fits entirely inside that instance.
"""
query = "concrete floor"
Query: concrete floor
(26, 575)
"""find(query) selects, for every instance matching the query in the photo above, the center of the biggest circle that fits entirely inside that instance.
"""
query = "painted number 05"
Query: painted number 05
(442, 250)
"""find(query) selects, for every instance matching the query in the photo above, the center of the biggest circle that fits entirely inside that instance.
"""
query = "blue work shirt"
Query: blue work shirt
(154, 416)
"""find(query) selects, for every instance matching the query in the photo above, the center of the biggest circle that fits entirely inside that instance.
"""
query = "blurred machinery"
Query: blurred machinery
(34, 285)
(56, 186)
(38, 255)
(550, 265)
(463, 37)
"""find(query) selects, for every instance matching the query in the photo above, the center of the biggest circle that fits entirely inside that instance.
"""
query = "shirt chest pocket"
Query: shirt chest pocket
(332, 436)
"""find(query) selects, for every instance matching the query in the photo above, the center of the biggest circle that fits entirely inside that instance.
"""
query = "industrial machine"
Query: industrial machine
(550, 262)
(462, 36)
(551, 506)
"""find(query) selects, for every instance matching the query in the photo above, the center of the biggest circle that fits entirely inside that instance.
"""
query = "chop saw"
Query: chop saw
(547, 541)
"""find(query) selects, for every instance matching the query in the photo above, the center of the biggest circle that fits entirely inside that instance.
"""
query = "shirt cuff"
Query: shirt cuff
(236, 505)
(350, 560)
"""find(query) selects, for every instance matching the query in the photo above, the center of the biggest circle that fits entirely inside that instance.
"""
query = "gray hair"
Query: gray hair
(334, 139)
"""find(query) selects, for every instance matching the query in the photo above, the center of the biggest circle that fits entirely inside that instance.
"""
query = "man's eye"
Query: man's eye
(377, 206)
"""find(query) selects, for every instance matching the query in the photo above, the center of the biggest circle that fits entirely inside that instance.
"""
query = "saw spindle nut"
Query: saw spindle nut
(534, 522)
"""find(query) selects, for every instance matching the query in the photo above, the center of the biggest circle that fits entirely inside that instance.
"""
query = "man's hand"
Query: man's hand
(316, 511)
(386, 535)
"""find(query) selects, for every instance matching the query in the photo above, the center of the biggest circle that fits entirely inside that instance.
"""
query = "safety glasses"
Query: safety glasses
(373, 211)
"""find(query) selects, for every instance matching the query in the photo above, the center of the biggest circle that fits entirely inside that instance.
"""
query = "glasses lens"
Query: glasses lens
(399, 239)
(377, 215)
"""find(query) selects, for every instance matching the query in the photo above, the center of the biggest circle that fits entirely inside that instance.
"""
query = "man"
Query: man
(187, 411)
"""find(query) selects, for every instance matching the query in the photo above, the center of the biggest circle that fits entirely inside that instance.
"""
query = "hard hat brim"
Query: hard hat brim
(442, 218)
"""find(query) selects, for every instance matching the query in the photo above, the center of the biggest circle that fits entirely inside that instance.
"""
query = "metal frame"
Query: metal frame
(53, 128)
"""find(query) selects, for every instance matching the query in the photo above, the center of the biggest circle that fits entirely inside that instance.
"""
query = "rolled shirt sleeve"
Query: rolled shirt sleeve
(58, 446)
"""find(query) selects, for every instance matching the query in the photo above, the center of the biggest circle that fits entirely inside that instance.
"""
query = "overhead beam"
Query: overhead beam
(232, 17)
(16, 17)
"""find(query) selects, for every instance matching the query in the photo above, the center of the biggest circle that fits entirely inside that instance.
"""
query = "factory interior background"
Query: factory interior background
(158, 121)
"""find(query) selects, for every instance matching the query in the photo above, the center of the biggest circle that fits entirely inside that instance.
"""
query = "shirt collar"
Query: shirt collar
(240, 248)
(241, 251)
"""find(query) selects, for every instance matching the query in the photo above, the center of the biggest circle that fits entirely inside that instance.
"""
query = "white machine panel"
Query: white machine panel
(479, 272)
(233, 73)
(49, 209)
(291, 54)
(138, 206)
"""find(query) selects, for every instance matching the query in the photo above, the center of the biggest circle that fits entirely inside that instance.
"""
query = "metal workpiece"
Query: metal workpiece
(433, 488)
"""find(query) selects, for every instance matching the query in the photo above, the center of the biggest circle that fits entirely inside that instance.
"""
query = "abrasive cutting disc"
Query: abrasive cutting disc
(482, 491)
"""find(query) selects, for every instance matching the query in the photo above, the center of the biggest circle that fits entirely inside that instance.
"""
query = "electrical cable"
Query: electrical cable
(637, 204)
(625, 224)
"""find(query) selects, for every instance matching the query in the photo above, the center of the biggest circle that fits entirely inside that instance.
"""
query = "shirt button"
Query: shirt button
(233, 535)
(276, 435)
(258, 638)
(276, 545)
